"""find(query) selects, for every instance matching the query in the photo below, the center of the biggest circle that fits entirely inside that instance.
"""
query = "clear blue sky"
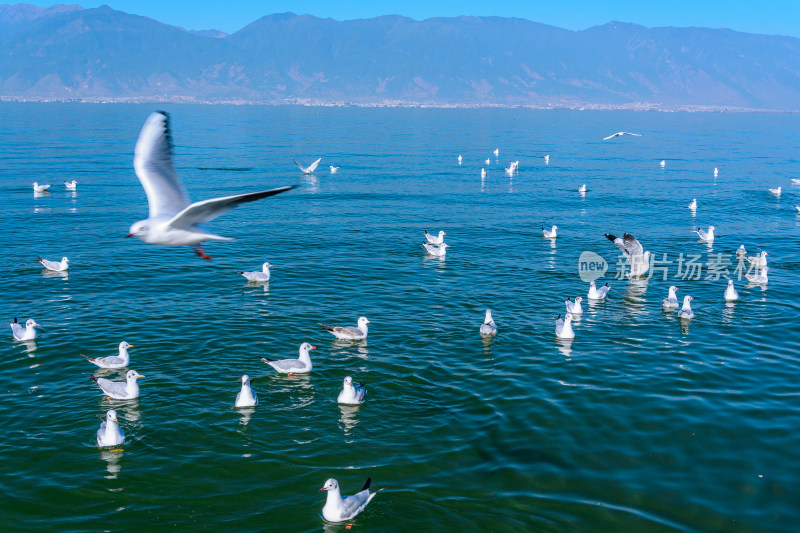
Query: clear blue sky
(780, 17)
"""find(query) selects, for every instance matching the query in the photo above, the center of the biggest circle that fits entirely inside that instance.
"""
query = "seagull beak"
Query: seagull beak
(313, 347)
(129, 235)
(38, 325)
(139, 376)
(130, 346)
(323, 488)
(677, 288)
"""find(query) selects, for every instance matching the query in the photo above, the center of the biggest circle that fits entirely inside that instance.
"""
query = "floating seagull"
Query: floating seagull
(71, 185)
(488, 161)
(693, 204)
(620, 134)
(582, 188)
(338, 509)
(496, 152)
(796, 181)
(564, 327)
(759, 260)
(597, 294)
(776, 192)
(483, 172)
(551, 233)
(109, 433)
(716, 172)
(798, 208)
(488, 328)
(351, 394)
(760, 278)
(632, 250)
(172, 219)
(246, 397)
(28, 333)
(113, 361)
(574, 307)
(334, 169)
(435, 240)
(460, 159)
(686, 311)
(301, 365)
(310, 168)
(120, 390)
(349, 332)
(55, 266)
(663, 163)
(707, 236)
(259, 276)
(39, 188)
(438, 251)
(671, 301)
(730, 292)
(741, 251)
(510, 170)
(547, 159)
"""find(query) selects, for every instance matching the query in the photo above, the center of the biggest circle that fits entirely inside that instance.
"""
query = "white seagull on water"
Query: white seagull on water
(55, 266)
(338, 509)
(730, 292)
(246, 396)
(71, 185)
(349, 332)
(351, 394)
(488, 328)
(597, 294)
(120, 390)
(173, 220)
(671, 301)
(437, 251)
(574, 307)
(686, 312)
(564, 327)
(758, 261)
(39, 188)
(121, 360)
(301, 365)
(334, 169)
(620, 134)
(551, 233)
(693, 204)
(776, 192)
(310, 168)
(760, 278)
(707, 236)
(435, 240)
(631, 248)
(259, 276)
(109, 433)
(28, 333)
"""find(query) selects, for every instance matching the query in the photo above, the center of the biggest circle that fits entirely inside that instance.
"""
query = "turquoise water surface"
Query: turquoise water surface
(642, 423)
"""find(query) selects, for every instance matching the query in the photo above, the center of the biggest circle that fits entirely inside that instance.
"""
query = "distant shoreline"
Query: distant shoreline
(397, 104)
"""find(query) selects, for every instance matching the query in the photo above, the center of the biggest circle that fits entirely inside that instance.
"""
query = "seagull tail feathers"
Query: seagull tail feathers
(366, 485)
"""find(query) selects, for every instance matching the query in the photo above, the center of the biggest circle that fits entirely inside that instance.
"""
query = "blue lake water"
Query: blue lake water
(642, 423)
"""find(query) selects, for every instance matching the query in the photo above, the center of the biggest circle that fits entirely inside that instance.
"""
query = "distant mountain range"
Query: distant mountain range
(67, 52)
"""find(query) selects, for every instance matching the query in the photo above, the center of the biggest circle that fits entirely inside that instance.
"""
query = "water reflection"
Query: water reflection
(246, 414)
(564, 346)
(345, 347)
(634, 296)
(256, 285)
(312, 183)
(349, 418)
(112, 458)
(30, 347)
(64, 274)
(298, 386)
(43, 194)
(684, 325)
(727, 313)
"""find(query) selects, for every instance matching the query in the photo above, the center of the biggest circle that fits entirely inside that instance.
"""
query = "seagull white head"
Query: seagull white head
(139, 230)
(362, 321)
(569, 316)
(348, 381)
(30, 323)
(245, 379)
(579, 299)
(133, 375)
(331, 484)
(124, 346)
(267, 266)
(111, 415)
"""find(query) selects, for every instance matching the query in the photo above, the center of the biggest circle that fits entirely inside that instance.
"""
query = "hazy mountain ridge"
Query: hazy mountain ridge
(101, 53)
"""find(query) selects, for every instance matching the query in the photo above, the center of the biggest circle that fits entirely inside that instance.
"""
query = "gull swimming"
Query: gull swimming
(246, 397)
(120, 390)
(488, 161)
(663, 163)
(435, 240)
(564, 327)
(759, 260)
(110, 433)
(574, 307)
(338, 509)
(55, 266)
(483, 172)
(796, 181)
(460, 158)
(547, 159)
(633, 251)
(597, 294)
(113, 361)
(551, 233)
(334, 169)
(438, 251)
(172, 219)
(71, 185)
(488, 328)
(620, 134)
(798, 208)
(496, 152)
(39, 188)
(351, 394)
(28, 333)
(707, 236)
(349, 332)
(693, 204)
(776, 192)
(310, 168)
(760, 278)
(741, 251)
(582, 188)
(301, 365)
(716, 172)
(730, 292)
(259, 276)
(671, 301)
(686, 311)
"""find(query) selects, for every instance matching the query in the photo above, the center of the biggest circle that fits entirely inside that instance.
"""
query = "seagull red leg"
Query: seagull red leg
(199, 251)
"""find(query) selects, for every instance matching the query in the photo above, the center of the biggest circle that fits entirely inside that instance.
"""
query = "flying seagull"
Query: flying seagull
(620, 134)
(310, 168)
(173, 220)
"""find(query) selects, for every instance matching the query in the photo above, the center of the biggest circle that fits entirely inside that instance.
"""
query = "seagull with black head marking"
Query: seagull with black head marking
(339, 509)
(173, 220)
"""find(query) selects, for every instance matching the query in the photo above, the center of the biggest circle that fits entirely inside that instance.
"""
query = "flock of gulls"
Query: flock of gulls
(175, 221)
